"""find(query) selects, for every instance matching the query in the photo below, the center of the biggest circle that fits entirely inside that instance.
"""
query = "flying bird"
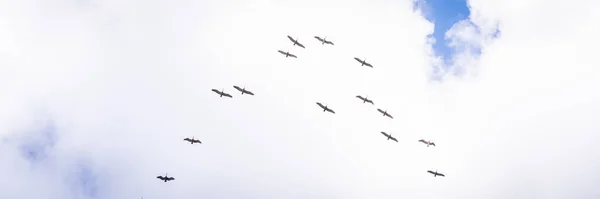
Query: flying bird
(287, 54)
(385, 113)
(363, 63)
(221, 93)
(325, 108)
(435, 173)
(192, 141)
(243, 90)
(295, 41)
(427, 142)
(365, 99)
(323, 40)
(389, 136)
(165, 178)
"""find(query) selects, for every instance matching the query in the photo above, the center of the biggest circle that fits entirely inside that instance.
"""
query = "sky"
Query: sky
(97, 96)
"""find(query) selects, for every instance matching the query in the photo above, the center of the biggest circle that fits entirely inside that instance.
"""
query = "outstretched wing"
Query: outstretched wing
(421, 140)
(160, 177)
(329, 42)
(381, 111)
(386, 135)
(431, 143)
(197, 141)
(249, 93)
(357, 59)
(369, 65)
(390, 116)
(216, 91)
(291, 39)
(238, 88)
(299, 44)
(393, 138)
(319, 38)
(320, 105)
(440, 174)
(227, 95)
(292, 55)
(188, 139)
(331, 111)
(280, 51)
(429, 171)
(370, 101)
(360, 97)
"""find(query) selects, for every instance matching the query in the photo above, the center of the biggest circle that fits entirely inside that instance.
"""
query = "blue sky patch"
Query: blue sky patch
(444, 14)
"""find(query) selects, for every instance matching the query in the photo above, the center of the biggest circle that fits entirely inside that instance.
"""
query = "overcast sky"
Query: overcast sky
(96, 97)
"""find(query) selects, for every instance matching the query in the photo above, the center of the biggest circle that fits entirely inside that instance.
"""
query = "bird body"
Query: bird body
(165, 178)
(243, 90)
(221, 93)
(428, 143)
(192, 140)
(363, 62)
(365, 99)
(323, 40)
(287, 54)
(296, 43)
(325, 108)
(435, 173)
(389, 136)
(385, 113)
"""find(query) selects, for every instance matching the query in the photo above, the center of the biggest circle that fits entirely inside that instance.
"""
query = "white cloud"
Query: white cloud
(124, 82)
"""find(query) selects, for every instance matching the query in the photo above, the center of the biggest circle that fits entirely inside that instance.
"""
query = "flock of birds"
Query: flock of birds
(325, 108)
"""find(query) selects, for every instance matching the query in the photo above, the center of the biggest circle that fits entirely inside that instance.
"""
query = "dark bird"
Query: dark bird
(363, 63)
(243, 90)
(287, 54)
(295, 41)
(365, 99)
(323, 40)
(435, 174)
(325, 108)
(385, 113)
(165, 178)
(427, 142)
(221, 93)
(389, 136)
(192, 141)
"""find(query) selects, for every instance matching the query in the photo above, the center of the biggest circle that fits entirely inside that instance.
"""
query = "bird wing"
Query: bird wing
(360, 97)
(250, 93)
(319, 38)
(386, 135)
(369, 65)
(320, 105)
(170, 178)
(299, 44)
(238, 88)
(227, 95)
(441, 175)
(160, 177)
(357, 59)
(421, 140)
(431, 172)
(280, 51)
(292, 55)
(187, 139)
(198, 141)
(328, 109)
(381, 111)
(432, 143)
(216, 91)
(387, 114)
(393, 138)
(328, 42)
(370, 101)
(291, 39)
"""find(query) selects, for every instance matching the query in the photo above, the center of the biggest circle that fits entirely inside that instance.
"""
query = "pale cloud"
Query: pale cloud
(125, 81)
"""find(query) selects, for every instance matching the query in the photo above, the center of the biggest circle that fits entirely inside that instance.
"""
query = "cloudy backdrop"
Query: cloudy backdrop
(96, 97)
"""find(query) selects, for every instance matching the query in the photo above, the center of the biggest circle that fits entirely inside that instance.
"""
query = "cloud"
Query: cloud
(122, 83)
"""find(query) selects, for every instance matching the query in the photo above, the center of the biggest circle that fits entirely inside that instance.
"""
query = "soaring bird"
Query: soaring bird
(325, 108)
(165, 178)
(389, 136)
(221, 93)
(427, 142)
(295, 41)
(192, 141)
(363, 62)
(323, 40)
(365, 99)
(435, 173)
(385, 113)
(243, 90)
(287, 54)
